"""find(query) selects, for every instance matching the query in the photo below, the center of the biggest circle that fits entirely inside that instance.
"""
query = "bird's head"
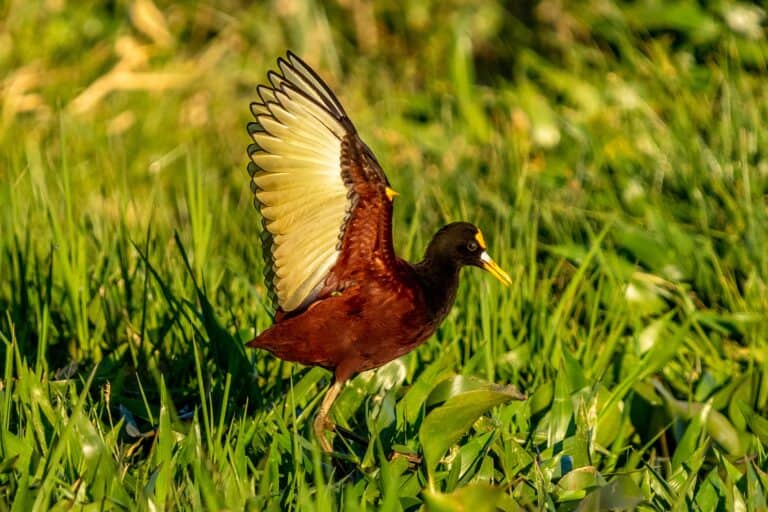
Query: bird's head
(462, 244)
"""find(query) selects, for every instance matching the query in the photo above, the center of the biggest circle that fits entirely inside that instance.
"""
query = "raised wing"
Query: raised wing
(311, 175)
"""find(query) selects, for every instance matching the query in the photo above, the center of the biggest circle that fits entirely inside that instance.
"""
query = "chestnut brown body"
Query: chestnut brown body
(372, 322)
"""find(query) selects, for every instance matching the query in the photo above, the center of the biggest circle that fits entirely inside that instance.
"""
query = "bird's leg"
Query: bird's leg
(322, 423)
(352, 435)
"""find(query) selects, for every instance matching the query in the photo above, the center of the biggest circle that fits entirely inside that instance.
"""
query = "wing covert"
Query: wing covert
(305, 189)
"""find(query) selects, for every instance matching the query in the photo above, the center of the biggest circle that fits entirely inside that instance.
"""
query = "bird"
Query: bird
(343, 300)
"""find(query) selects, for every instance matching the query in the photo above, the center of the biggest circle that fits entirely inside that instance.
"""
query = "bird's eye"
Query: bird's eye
(472, 246)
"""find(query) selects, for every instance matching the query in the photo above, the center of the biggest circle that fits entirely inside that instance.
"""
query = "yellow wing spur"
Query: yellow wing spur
(297, 180)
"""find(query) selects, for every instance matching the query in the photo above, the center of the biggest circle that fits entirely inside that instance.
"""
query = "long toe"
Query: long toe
(344, 432)
(321, 426)
(412, 458)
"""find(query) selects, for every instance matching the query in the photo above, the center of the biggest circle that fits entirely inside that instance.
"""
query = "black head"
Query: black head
(462, 243)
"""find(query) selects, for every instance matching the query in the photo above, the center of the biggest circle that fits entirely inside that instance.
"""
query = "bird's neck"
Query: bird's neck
(439, 280)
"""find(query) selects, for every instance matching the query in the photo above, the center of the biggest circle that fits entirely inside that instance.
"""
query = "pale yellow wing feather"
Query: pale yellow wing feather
(293, 212)
(309, 285)
(297, 181)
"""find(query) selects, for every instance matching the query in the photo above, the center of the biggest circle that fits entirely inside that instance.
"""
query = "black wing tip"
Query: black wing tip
(252, 149)
(298, 65)
(275, 79)
(292, 56)
(285, 61)
(294, 60)
(261, 90)
(278, 81)
(269, 263)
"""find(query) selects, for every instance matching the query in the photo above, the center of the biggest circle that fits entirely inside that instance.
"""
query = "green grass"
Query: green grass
(614, 154)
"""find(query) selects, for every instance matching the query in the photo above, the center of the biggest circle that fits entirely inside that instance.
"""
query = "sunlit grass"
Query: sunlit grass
(613, 156)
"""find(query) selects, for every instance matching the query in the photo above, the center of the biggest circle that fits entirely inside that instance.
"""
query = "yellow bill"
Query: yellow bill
(495, 270)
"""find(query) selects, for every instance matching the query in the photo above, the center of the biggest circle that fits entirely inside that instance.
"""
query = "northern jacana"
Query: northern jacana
(343, 299)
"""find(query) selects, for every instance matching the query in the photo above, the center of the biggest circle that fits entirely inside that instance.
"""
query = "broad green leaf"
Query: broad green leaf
(446, 424)
(477, 497)
(710, 493)
(412, 404)
(716, 424)
(622, 493)
(472, 454)
(568, 383)
(691, 440)
(609, 425)
(542, 397)
(577, 483)
(755, 422)
(573, 373)
(755, 491)
(581, 478)
(459, 384)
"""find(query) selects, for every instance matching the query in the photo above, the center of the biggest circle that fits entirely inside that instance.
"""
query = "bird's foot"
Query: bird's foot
(345, 432)
(321, 426)
(411, 457)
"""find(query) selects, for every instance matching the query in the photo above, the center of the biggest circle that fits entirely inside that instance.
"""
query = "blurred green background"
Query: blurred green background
(613, 152)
